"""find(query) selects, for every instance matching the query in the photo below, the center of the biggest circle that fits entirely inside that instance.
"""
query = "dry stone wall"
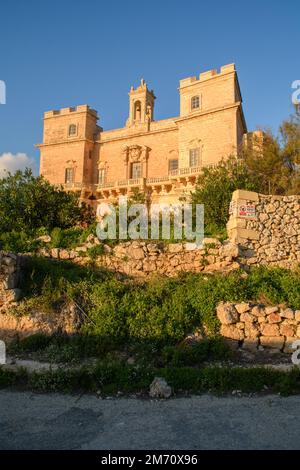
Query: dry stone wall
(257, 326)
(142, 259)
(265, 228)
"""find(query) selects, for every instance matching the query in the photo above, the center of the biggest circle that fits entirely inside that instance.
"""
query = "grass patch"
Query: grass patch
(109, 378)
(75, 348)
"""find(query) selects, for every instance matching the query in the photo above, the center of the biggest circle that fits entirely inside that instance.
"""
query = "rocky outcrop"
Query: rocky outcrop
(66, 320)
(258, 326)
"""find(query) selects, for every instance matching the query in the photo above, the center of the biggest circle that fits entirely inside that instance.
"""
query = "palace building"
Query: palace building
(163, 159)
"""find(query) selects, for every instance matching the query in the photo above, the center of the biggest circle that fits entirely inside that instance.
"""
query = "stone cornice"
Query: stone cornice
(62, 142)
(208, 111)
(138, 134)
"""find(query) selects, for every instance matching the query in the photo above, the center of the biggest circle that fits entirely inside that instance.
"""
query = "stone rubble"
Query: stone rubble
(160, 389)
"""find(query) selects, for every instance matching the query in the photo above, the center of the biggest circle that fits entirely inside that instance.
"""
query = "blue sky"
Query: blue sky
(56, 54)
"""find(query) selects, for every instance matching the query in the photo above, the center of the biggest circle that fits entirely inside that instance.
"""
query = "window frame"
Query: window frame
(72, 126)
(69, 171)
(103, 177)
(194, 154)
(193, 98)
(170, 162)
(136, 165)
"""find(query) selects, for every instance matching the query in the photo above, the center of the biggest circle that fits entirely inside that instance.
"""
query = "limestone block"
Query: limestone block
(227, 314)
(274, 318)
(287, 313)
(231, 332)
(243, 307)
(270, 330)
(273, 342)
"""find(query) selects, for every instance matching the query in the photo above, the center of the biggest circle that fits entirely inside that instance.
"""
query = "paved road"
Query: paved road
(53, 421)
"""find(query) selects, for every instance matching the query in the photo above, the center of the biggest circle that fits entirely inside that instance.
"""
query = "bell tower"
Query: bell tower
(141, 105)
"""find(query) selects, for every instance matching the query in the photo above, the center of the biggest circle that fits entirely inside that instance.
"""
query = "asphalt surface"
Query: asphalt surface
(54, 421)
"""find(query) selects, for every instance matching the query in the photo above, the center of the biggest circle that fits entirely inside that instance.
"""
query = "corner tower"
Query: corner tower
(67, 151)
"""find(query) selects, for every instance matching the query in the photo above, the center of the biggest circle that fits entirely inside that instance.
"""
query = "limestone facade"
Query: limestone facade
(161, 158)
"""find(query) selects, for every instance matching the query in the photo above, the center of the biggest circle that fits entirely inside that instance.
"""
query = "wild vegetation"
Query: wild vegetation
(156, 314)
(31, 207)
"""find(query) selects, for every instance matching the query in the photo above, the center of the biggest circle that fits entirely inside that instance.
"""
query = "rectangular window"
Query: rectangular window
(101, 176)
(173, 165)
(136, 170)
(72, 129)
(195, 102)
(69, 175)
(194, 157)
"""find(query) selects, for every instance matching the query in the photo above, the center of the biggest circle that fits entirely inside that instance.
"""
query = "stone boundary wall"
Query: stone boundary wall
(257, 327)
(265, 228)
(142, 259)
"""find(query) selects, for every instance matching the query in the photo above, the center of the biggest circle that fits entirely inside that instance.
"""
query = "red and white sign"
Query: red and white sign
(246, 210)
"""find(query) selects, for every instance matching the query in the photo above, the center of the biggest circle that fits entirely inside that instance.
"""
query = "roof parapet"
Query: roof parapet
(74, 109)
(229, 68)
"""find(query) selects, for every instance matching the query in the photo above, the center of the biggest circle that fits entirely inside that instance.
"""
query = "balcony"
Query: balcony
(121, 184)
(171, 178)
(192, 170)
(72, 186)
(131, 182)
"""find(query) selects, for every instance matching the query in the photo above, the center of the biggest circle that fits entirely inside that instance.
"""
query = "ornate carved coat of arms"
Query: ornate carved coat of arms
(135, 153)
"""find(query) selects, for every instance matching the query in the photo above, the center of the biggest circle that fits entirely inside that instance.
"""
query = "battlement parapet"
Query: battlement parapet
(225, 69)
(73, 109)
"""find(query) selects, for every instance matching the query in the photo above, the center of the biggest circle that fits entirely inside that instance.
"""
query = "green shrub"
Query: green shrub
(275, 286)
(31, 343)
(18, 242)
(28, 203)
(103, 301)
(210, 349)
(95, 251)
(63, 348)
(72, 237)
(215, 187)
(56, 238)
